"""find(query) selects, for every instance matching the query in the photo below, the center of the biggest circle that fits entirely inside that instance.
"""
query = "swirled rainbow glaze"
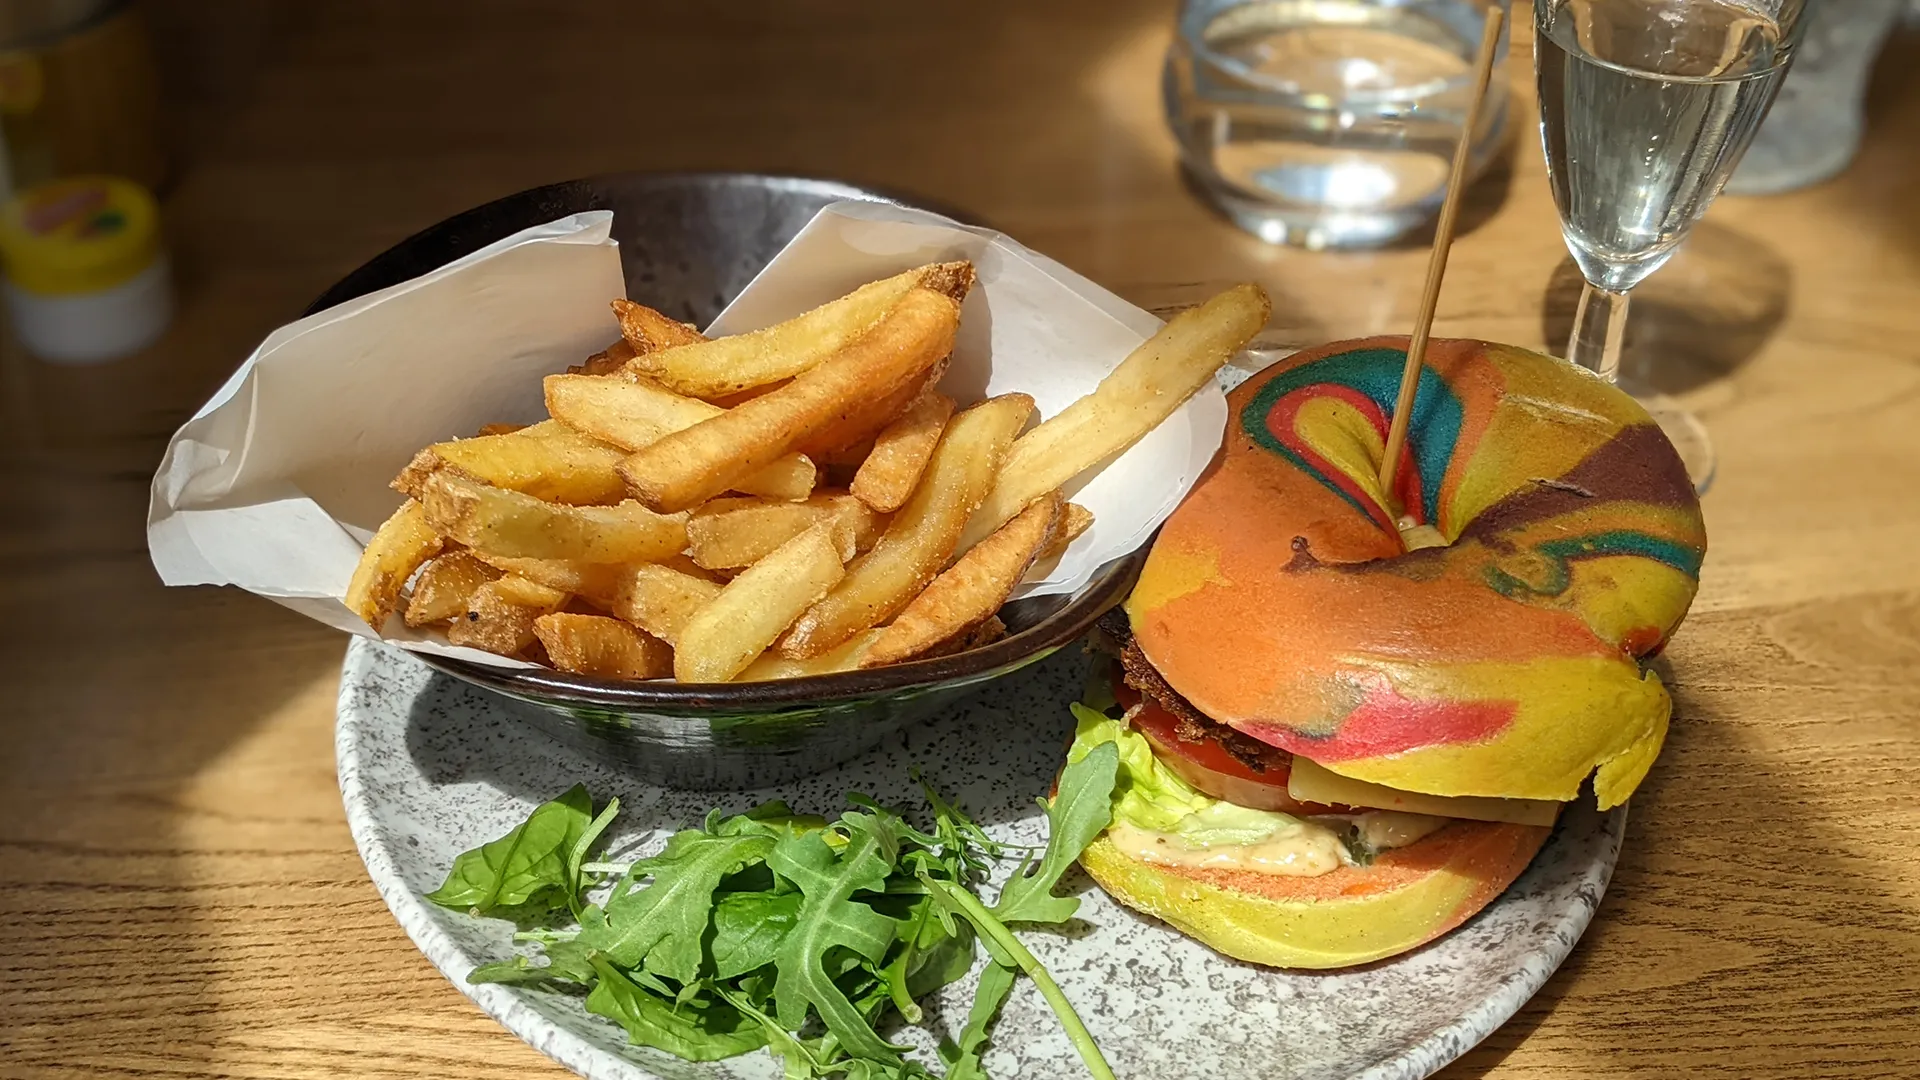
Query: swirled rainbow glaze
(1281, 599)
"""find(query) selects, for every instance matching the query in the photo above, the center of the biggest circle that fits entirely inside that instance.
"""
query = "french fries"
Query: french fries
(548, 460)
(971, 590)
(849, 438)
(660, 599)
(631, 414)
(444, 586)
(742, 361)
(398, 548)
(725, 534)
(727, 633)
(598, 583)
(922, 535)
(501, 522)
(1074, 520)
(1144, 390)
(602, 646)
(667, 520)
(900, 453)
(688, 467)
(648, 331)
(500, 615)
(607, 361)
(772, 665)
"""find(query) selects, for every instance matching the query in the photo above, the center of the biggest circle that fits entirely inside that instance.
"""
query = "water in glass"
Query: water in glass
(1327, 123)
(1645, 109)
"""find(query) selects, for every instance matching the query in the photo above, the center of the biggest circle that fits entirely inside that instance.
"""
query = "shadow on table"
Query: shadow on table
(1699, 318)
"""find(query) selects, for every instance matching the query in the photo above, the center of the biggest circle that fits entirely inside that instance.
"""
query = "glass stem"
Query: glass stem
(1599, 327)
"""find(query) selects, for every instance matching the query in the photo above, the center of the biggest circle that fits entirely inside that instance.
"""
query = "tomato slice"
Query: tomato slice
(1211, 770)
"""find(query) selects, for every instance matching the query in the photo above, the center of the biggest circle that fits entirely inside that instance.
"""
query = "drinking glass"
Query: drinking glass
(1328, 123)
(1645, 109)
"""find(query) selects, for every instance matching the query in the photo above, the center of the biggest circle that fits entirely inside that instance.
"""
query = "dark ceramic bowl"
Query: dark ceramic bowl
(688, 243)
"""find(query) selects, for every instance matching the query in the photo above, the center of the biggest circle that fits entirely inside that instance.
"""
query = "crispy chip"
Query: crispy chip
(772, 665)
(398, 548)
(688, 467)
(501, 522)
(660, 599)
(608, 361)
(500, 615)
(444, 586)
(920, 538)
(739, 362)
(636, 413)
(602, 647)
(724, 534)
(648, 331)
(1132, 400)
(1074, 520)
(726, 634)
(971, 591)
(888, 474)
(548, 460)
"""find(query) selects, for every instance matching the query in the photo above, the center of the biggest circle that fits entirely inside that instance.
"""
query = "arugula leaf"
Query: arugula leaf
(775, 815)
(748, 929)
(525, 872)
(944, 961)
(1008, 951)
(828, 919)
(663, 925)
(963, 1058)
(567, 961)
(577, 854)
(935, 952)
(1081, 808)
(692, 1033)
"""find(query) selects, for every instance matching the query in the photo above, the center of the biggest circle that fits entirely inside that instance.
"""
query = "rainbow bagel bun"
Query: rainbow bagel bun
(1507, 662)
(1344, 730)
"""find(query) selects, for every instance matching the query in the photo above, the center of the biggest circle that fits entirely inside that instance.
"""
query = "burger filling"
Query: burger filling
(1194, 792)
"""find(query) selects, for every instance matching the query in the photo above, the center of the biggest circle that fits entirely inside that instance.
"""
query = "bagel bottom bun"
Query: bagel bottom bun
(1352, 916)
(1207, 835)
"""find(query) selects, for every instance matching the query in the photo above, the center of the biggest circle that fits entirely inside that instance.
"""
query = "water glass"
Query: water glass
(1328, 123)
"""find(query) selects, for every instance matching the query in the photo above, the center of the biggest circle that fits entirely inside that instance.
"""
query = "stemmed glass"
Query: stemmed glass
(1645, 109)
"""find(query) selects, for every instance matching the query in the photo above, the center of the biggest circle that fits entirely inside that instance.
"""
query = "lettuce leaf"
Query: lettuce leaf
(1148, 795)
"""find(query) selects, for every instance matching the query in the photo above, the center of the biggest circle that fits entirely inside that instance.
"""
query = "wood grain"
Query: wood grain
(181, 897)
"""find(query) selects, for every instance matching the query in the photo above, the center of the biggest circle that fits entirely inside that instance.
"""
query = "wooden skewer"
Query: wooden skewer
(1437, 262)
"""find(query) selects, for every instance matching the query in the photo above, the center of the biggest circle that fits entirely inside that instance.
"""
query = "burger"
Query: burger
(1348, 719)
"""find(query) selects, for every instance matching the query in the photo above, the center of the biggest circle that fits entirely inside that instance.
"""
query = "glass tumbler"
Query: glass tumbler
(1328, 123)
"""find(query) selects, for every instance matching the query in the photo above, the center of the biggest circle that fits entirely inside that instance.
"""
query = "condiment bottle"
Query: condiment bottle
(86, 276)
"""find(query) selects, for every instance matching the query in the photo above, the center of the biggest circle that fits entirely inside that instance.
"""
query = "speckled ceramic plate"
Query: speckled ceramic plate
(430, 767)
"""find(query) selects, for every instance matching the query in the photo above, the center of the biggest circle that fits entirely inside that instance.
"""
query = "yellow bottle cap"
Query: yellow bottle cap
(80, 235)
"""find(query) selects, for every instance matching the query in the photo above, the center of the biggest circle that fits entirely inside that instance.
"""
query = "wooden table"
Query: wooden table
(181, 896)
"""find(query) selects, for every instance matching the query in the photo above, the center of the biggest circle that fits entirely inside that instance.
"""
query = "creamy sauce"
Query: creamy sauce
(1414, 537)
(1384, 830)
(1309, 848)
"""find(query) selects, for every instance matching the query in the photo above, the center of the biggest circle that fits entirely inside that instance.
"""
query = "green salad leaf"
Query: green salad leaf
(707, 1032)
(1080, 811)
(963, 1057)
(831, 919)
(780, 930)
(662, 926)
(527, 871)
(748, 929)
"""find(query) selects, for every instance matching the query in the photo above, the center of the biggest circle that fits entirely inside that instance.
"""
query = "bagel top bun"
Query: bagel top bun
(1507, 658)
